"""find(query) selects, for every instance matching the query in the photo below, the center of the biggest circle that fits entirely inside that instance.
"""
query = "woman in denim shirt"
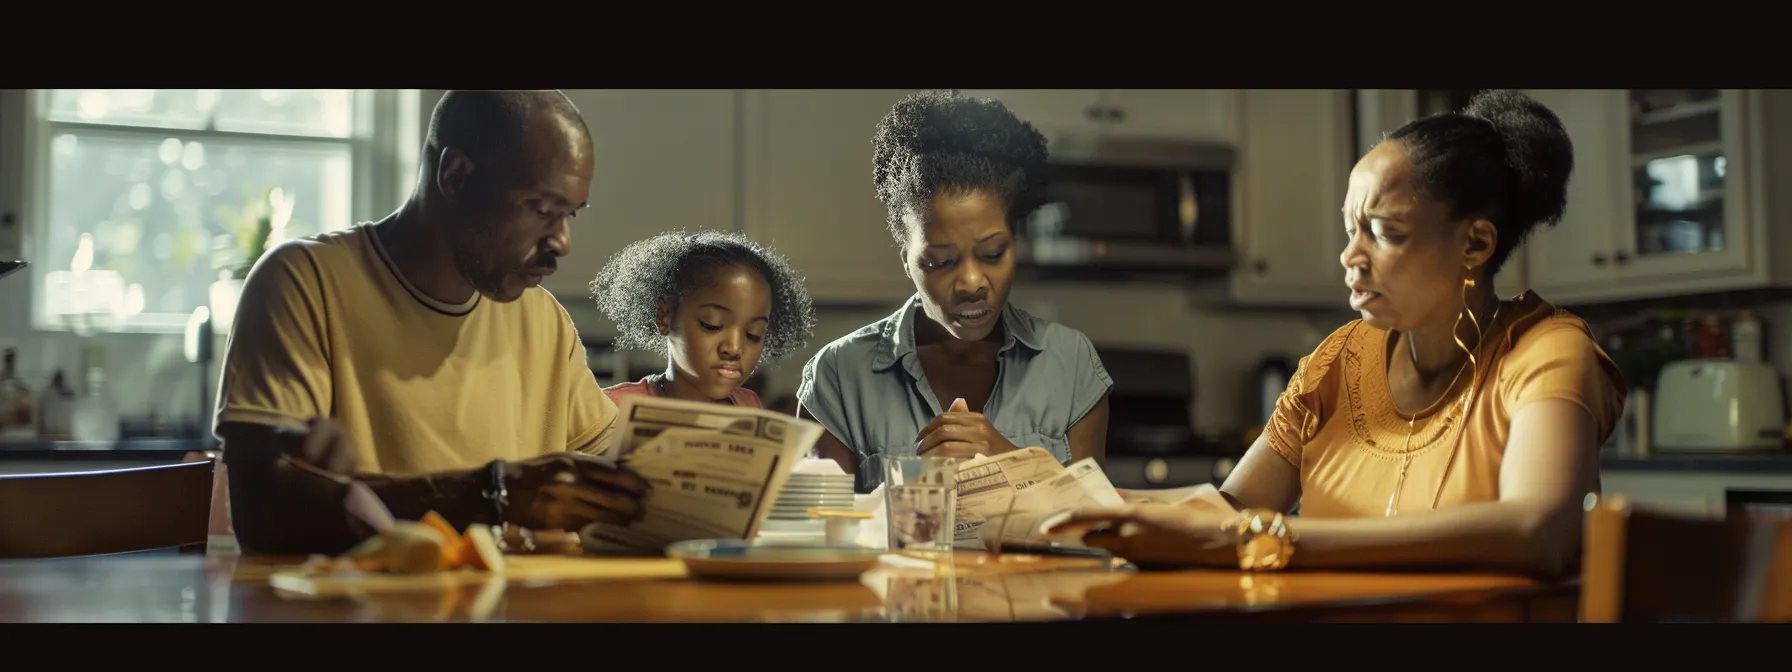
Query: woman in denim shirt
(956, 371)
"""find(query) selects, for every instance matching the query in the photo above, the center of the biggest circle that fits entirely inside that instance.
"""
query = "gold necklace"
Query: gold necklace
(1412, 421)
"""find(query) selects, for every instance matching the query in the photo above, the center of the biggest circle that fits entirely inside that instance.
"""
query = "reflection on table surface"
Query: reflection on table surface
(960, 587)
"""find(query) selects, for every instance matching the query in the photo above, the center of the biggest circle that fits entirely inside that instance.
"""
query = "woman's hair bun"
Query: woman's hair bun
(1537, 149)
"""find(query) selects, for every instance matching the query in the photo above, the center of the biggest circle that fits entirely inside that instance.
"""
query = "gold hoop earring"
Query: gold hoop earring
(1480, 335)
(1411, 422)
(1473, 365)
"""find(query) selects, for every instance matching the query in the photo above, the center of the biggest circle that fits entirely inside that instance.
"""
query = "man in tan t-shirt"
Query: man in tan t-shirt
(444, 377)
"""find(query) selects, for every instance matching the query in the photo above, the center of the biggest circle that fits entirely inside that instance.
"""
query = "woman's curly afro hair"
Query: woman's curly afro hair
(943, 142)
(662, 270)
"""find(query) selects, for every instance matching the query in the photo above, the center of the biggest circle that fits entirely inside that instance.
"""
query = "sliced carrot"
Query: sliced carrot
(461, 555)
(454, 546)
(442, 525)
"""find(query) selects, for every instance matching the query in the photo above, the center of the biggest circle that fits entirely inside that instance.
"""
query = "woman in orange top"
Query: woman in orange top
(1444, 428)
(715, 304)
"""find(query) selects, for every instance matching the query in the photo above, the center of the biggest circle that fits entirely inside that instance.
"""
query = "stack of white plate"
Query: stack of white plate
(812, 491)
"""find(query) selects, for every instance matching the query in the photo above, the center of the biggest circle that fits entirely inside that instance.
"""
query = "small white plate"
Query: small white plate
(805, 505)
(768, 560)
(812, 499)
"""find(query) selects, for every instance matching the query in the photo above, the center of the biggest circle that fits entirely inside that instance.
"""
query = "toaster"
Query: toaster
(1718, 405)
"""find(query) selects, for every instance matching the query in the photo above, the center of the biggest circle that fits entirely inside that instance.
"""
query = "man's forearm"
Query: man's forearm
(287, 497)
(282, 509)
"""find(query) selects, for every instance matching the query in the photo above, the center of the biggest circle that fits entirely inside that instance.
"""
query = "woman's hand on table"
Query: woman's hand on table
(960, 433)
(1156, 534)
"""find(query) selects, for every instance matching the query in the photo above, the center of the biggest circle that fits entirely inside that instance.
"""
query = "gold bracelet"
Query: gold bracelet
(1265, 543)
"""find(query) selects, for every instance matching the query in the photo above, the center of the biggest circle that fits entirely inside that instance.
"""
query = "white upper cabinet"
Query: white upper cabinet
(665, 159)
(1668, 195)
(808, 190)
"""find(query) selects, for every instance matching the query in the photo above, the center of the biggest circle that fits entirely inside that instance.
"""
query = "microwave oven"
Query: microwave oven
(1130, 206)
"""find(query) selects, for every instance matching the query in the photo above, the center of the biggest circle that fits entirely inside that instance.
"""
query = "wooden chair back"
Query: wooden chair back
(1649, 566)
(100, 512)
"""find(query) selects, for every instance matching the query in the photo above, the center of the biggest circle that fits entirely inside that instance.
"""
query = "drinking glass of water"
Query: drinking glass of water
(921, 494)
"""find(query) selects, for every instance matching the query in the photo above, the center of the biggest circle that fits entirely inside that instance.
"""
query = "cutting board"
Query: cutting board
(521, 569)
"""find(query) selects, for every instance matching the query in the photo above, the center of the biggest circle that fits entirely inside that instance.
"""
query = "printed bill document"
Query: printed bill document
(716, 470)
(1003, 499)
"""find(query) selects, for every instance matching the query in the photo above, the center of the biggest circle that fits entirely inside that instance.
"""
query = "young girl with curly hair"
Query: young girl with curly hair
(715, 304)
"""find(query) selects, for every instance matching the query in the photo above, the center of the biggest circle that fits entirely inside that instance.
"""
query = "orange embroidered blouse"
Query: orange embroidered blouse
(1338, 425)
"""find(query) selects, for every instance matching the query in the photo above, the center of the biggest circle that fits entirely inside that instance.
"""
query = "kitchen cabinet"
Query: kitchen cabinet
(1191, 114)
(1668, 195)
(807, 190)
(1693, 493)
(665, 159)
(1296, 151)
(1073, 115)
(13, 109)
(1061, 115)
(1677, 493)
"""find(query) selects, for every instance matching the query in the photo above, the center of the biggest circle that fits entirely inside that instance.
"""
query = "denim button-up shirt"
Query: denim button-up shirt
(869, 391)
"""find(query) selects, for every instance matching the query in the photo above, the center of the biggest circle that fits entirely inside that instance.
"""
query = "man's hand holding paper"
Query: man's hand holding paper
(712, 468)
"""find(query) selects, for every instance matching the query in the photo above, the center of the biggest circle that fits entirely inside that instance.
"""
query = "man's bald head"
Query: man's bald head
(504, 173)
(495, 128)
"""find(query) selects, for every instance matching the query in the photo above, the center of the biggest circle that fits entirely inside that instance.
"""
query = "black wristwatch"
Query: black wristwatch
(495, 490)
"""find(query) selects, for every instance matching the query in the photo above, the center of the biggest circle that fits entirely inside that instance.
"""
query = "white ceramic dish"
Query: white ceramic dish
(806, 502)
(772, 560)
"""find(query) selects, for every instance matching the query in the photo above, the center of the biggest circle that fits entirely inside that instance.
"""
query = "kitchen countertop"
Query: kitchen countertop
(145, 448)
(1755, 463)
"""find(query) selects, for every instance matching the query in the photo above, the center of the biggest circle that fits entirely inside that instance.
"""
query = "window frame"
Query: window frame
(383, 146)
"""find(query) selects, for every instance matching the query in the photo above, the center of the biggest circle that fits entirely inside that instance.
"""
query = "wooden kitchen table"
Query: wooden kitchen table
(159, 587)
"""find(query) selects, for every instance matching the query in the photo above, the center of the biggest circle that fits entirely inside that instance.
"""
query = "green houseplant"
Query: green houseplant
(262, 220)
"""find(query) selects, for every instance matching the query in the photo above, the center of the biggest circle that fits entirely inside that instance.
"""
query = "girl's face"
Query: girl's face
(719, 331)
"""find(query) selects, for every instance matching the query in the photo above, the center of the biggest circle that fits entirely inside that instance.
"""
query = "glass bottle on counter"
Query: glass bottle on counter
(1709, 341)
(55, 413)
(95, 418)
(17, 416)
(1745, 337)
